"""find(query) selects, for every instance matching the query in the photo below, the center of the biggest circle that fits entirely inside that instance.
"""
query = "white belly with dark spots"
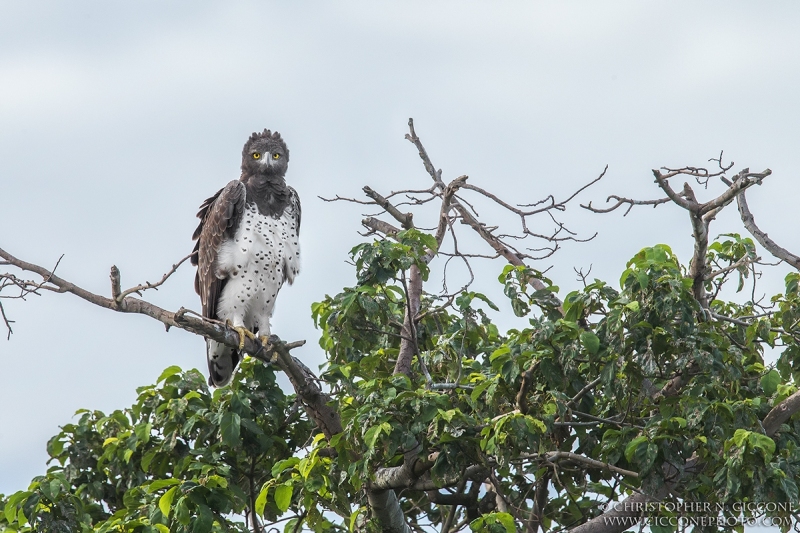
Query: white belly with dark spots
(263, 253)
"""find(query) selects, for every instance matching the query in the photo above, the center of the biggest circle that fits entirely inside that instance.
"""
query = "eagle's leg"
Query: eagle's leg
(243, 333)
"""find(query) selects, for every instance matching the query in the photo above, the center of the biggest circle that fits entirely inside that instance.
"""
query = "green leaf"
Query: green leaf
(354, 517)
(283, 497)
(203, 520)
(161, 483)
(630, 449)
(590, 341)
(476, 393)
(169, 371)
(763, 443)
(739, 437)
(143, 432)
(230, 427)
(371, 436)
(508, 522)
(280, 466)
(165, 501)
(633, 306)
(504, 349)
(770, 382)
(486, 300)
(261, 500)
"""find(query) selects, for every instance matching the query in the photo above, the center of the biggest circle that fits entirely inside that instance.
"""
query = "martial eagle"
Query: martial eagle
(247, 247)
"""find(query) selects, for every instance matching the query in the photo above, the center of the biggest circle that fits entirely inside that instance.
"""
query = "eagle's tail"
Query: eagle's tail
(222, 361)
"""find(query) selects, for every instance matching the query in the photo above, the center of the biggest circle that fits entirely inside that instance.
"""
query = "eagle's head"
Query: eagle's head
(265, 153)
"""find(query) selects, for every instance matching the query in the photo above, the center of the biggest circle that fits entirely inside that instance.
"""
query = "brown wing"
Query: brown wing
(219, 217)
(294, 202)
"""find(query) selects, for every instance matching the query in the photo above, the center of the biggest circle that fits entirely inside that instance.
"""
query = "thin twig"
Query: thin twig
(147, 285)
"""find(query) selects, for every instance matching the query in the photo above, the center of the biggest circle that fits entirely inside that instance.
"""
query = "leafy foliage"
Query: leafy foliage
(180, 459)
(632, 379)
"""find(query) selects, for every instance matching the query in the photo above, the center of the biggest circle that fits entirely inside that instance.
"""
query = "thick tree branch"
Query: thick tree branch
(781, 413)
(386, 508)
(539, 501)
(402, 477)
(634, 505)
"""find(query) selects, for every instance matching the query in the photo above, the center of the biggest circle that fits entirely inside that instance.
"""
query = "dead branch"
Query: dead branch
(115, 279)
(6, 321)
(621, 201)
(581, 393)
(345, 199)
(376, 225)
(405, 219)
(771, 246)
(466, 216)
(701, 214)
(444, 212)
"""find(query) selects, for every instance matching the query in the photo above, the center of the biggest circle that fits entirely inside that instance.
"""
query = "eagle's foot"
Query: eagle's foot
(267, 345)
(243, 333)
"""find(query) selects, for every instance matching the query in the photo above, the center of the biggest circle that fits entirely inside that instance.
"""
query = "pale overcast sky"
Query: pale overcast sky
(118, 119)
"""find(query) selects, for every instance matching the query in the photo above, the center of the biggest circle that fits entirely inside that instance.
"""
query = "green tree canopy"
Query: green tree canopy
(427, 417)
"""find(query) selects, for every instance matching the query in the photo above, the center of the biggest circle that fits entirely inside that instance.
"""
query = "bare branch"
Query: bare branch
(444, 212)
(741, 182)
(675, 197)
(344, 199)
(744, 261)
(772, 247)
(622, 200)
(146, 285)
(423, 154)
(581, 393)
(6, 321)
(405, 219)
(376, 225)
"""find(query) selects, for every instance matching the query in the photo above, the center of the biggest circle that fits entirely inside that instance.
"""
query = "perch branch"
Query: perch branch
(305, 383)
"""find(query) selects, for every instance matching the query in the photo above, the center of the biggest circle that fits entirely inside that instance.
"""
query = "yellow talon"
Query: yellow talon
(244, 332)
(273, 357)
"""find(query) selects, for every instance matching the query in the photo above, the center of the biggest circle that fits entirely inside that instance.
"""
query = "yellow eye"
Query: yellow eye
(256, 156)
(276, 156)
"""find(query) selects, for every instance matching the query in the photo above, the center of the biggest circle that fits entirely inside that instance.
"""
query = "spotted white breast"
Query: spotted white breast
(262, 255)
